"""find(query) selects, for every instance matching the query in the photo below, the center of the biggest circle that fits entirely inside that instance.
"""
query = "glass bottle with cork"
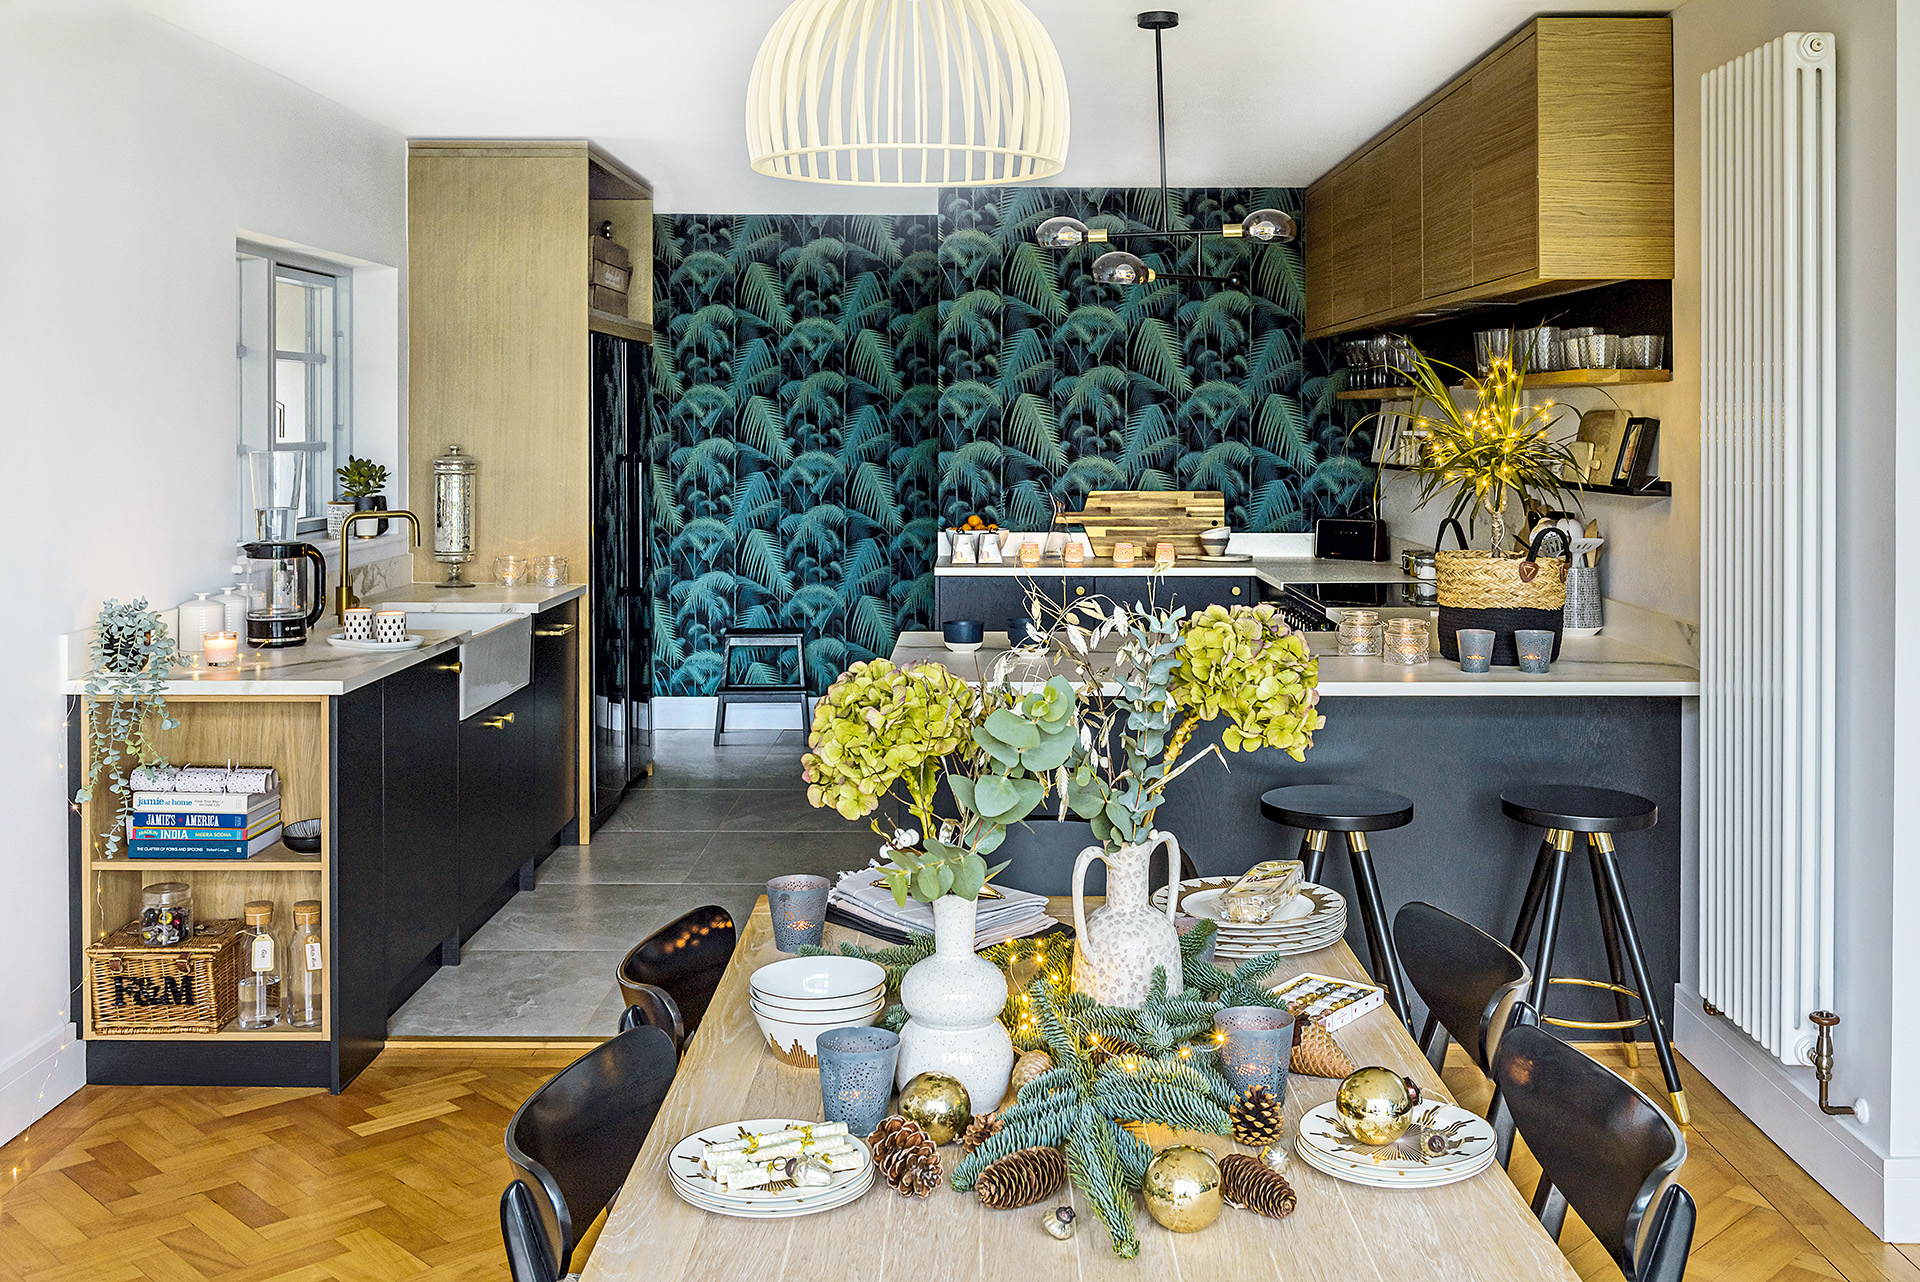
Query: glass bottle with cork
(260, 963)
(306, 961)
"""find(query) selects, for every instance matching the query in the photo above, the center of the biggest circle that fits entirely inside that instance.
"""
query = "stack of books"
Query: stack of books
(865, 898)
(204, 824)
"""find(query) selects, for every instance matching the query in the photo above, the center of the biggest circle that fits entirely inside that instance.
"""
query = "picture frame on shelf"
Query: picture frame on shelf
(1633, 467)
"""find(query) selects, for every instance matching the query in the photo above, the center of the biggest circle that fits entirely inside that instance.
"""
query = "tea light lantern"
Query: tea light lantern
(1476, 649)
(1534, 646)
(222, 648)
(798, 906)
(1256, 1046)
(1163, 556)
(1074, 553)
(1404, 642)
(1030, 552)
(1123, 555)
(1360, 633)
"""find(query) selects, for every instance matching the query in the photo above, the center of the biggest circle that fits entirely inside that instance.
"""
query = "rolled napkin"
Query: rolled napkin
(779, 1152)
(802, 1131)
(757, 1174)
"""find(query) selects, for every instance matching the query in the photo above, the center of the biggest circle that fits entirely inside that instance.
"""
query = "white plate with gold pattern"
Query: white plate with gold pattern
(821, 1199)
(686, 1166)
(1444, 1144)
(1318, 929)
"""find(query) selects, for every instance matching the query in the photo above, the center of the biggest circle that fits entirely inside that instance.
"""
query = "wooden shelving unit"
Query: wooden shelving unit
(290, 733)
(1654, 489)
(1541, 378)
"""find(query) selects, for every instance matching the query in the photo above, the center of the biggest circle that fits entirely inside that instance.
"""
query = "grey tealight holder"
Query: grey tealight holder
(1476, 649)
(1534, 646)
(798, 905)
(1255, 1046)
(856, 1075)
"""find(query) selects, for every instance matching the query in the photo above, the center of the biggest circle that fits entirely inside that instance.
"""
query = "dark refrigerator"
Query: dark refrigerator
(622, 729)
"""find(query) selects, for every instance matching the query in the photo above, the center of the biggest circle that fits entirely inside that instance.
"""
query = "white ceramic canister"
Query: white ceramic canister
(234, 603)
(198, 617)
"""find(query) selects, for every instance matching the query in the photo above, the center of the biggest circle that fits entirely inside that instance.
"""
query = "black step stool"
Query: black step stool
(732, 691)
(1319, 809)
(1563, 810)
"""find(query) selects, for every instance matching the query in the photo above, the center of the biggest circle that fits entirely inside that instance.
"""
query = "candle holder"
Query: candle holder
(1123, 555)
(856, 1075)
(1404, 642)
(1256, 1045)
(1360, 633)
(222, 649)
(511, 571)
(1074, 553)
(1029, 552)
(550, 571)
(1163, 556)
(798, 904)
(1534, 647)
(1476, 649)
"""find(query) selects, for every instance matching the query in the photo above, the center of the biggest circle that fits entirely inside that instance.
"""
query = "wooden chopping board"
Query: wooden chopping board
(1146, 517)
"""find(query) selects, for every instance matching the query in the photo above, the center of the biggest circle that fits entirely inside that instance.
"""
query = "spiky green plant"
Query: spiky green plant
(1480, 452)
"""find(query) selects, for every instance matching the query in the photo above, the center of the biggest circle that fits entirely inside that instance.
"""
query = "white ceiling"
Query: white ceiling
(1260, 92)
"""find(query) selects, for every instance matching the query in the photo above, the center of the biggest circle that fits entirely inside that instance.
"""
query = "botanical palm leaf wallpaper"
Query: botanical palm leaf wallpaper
(1056, 384)
(829, 390)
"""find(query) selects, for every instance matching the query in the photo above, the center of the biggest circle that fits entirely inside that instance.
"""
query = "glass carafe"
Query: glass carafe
(283, 602)
(261, 961)
(305, 967)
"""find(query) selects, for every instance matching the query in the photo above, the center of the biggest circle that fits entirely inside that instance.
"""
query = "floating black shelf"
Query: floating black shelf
(1652, 490)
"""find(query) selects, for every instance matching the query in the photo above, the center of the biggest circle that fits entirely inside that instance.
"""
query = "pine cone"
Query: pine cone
(979, 1131)
(1258, 1117)
(1248, 1185)
(906, 1156)
(1316, 1054)
(1031, 1065)
(1021, 1178)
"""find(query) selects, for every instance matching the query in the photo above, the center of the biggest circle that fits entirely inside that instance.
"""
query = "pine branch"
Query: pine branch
(1093, 1161)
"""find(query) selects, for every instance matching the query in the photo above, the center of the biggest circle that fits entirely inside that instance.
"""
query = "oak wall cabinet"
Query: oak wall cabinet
(1544, 168)
(499, 249)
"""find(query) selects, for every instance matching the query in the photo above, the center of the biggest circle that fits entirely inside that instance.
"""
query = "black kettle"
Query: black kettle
(282, 602)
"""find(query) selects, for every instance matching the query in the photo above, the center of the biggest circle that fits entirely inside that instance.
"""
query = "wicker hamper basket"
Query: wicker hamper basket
(1500, 593)
(182, 988)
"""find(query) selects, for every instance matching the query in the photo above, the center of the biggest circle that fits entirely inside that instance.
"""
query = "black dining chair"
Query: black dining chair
(1604, 1148)
(1470, 982)
(652, 1008)
(573, 1142)
(682, 961)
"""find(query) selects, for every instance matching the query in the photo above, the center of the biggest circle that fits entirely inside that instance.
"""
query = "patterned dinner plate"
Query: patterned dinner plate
(1317, 930)
(1461, 1143)
(1372, 1179)
(693, 1183)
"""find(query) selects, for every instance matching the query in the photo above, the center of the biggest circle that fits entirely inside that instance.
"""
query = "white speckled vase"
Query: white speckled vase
(1118, 946)
(955, 999)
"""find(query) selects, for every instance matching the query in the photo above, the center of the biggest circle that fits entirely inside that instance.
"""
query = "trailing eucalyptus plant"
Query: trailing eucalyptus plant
(131, 652)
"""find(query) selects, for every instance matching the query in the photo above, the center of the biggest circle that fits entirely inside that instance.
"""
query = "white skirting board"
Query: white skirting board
(42, 1074)
(697, 714)
(1883, 1191)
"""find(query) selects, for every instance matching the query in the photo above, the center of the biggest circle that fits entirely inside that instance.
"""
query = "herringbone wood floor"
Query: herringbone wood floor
(400, 1177)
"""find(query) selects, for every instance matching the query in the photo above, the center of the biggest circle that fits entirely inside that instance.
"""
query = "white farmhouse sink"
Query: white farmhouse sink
(494, 662)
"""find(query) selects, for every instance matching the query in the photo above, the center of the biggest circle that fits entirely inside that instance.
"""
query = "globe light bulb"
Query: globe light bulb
(1270, 225)
(1120, 268)
(1061, 233)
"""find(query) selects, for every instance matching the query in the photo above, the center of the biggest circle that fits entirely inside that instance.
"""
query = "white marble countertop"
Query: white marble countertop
(313, 668)
(1277, 571)
(481, 598)
(1587, 666)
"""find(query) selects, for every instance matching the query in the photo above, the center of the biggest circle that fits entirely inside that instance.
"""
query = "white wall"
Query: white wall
(131, 157)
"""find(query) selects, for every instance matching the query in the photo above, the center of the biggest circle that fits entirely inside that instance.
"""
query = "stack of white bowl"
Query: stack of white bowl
(796, 1000)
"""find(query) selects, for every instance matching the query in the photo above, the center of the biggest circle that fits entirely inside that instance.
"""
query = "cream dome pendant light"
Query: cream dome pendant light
(907, 93)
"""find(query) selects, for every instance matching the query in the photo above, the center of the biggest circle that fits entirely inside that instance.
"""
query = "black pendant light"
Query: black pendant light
(1118, 267)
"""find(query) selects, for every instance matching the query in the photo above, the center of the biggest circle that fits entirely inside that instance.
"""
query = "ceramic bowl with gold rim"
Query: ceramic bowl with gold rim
(795, 1043)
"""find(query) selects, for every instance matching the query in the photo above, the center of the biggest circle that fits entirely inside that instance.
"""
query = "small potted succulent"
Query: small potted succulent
(360, 482)
(125, 695)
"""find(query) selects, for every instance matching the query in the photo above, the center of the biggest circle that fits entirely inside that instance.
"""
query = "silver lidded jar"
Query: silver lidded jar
(453, 474)
(166, 914)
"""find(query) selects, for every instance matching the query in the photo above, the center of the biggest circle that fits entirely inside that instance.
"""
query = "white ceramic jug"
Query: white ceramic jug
(1117, 948)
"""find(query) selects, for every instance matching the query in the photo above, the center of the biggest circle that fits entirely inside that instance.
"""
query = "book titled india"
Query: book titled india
(201, 848)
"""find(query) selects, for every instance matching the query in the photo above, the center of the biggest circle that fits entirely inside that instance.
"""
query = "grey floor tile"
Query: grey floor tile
(701, 767)
(615, 857)
(673, 810)
(589, 917)
(605, 1020)
(756, 856)
(741, 738)
(533, 993)
(784, 810)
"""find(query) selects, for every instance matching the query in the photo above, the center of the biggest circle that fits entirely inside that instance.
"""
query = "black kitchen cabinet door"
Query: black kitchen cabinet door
(497, 813)
(992, 599)
(1192, 592)
(556, 717)
(422, 821)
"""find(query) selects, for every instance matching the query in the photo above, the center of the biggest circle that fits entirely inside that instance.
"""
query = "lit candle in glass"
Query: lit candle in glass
(1030, 552)
(1534, 646)
(1123, 555)
(221, 648)
(1163, 556)
(1405, 642)
(1074, 553)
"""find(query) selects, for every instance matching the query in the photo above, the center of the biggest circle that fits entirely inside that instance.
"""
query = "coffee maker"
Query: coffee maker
(282, 602)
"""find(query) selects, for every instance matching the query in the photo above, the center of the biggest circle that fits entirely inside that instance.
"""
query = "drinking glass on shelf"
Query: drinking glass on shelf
(1643, 351)
(1490, 345)
(1600, 351)
(512, 571)
(550, 571)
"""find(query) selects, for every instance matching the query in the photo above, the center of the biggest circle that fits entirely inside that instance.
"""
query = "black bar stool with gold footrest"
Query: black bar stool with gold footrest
(1564, 810)
(1319, 809)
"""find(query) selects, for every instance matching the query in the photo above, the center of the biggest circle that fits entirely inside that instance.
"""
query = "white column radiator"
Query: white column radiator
(1767, 495)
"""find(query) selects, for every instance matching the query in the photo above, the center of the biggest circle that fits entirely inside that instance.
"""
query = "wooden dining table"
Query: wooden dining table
(1480, 1228)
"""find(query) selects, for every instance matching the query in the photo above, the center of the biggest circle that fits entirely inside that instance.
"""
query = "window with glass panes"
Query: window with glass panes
(294, 391)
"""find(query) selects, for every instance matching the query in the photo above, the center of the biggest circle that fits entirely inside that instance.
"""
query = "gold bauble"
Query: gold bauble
(1375, 1105)
(1182, 1188)
(939, 1104)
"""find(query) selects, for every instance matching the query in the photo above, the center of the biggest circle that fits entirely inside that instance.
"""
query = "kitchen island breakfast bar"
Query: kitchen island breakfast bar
(1607, 714)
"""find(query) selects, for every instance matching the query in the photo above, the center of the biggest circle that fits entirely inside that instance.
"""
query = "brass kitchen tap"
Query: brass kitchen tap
(344, 597)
